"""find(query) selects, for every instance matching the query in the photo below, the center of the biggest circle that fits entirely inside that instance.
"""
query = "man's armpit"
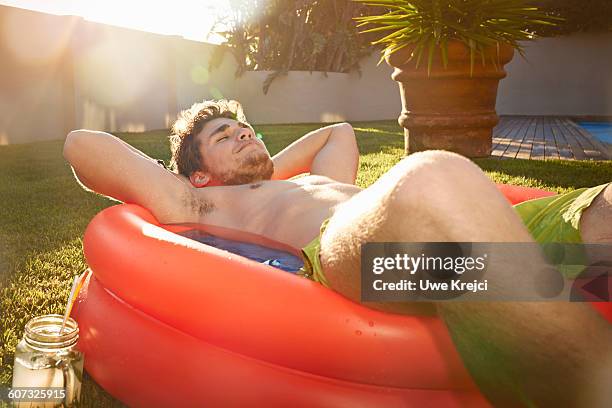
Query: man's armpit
(198, 205)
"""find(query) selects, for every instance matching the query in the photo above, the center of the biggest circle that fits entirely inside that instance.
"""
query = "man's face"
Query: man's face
(232, 154)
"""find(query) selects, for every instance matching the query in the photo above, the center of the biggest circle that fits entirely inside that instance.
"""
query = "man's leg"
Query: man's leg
(518, 353)
(427, 197)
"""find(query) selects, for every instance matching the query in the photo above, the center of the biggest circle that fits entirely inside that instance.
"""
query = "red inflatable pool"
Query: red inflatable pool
(167, 321)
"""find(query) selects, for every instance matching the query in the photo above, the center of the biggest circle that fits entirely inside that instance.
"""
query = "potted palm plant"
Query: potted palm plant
(448, 57)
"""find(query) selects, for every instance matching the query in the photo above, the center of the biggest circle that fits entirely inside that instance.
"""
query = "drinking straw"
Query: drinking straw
(76, 286)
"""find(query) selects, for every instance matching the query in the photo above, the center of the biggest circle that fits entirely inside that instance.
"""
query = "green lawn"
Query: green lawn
(43, 214)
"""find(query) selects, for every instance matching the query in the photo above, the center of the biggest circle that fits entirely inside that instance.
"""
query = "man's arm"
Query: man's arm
(330, 151)
(109, 166)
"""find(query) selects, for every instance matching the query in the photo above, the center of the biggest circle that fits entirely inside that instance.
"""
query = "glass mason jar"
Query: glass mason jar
(46, 358)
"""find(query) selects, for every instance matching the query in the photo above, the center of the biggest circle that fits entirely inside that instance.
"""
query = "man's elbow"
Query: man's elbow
(343, 129)
(70, 145)
(346, 126)
(77, 148)
(75, 144)
(349, 134)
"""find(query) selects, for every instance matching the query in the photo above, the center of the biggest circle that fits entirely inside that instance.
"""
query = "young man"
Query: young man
(430, 196)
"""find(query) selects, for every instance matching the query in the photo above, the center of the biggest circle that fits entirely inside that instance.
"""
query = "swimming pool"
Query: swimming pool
(600, 130)
(258, 253)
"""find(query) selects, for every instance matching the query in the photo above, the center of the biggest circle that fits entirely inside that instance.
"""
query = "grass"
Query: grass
(44, 212)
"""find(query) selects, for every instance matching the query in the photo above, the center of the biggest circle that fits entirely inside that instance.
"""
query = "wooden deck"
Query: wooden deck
(545, 137)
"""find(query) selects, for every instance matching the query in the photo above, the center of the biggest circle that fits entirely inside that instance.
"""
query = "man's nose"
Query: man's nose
(244, 134)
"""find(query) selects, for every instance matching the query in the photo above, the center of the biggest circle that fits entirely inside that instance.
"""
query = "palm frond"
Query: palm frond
(431, 24)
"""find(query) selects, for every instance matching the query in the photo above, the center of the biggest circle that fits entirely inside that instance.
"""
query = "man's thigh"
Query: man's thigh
(428, 197)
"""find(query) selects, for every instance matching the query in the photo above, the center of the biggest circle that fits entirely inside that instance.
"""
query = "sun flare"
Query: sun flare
(191, 19)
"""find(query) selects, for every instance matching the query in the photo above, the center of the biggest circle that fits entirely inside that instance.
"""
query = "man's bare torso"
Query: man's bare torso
(286, 211)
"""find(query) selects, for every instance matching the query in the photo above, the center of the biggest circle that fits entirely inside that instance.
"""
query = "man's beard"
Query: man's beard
(255, 167)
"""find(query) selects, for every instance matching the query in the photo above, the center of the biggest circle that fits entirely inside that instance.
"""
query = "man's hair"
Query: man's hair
(184, 143)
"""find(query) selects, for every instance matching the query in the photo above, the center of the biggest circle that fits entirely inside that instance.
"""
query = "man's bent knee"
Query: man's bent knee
(434, 175)
(447, 197)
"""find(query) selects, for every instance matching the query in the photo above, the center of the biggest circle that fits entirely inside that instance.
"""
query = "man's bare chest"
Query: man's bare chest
(255, 206)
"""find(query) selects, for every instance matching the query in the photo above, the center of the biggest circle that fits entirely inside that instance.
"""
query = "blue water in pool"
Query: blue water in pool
(273, 257)
(601, 130)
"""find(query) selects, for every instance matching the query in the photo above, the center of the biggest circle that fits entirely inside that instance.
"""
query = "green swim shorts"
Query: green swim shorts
(549, 219)
(556, 219)
(312, 265)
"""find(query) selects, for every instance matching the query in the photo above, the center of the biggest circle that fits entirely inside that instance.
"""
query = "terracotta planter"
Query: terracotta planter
(449, 109)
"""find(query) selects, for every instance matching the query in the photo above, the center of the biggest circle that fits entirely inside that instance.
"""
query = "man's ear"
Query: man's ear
(199, 179)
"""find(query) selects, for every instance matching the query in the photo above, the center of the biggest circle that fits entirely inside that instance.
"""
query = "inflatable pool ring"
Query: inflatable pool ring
(168, 321)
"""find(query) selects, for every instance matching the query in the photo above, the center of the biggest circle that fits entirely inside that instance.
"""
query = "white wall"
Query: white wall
(373, 94)
(194, 81)
(569, 75)
(299, 96)
(35, 80)
(123, 79)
